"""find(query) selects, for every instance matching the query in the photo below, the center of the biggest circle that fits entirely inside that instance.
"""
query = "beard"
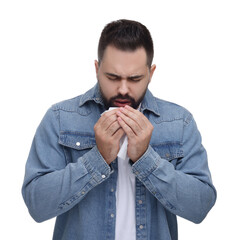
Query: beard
(111, 102)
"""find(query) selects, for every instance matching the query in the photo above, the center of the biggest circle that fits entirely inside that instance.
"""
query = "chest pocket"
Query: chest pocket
(170, 151)
(76, 144)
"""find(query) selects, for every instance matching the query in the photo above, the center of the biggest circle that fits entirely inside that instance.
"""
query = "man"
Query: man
(76, 170)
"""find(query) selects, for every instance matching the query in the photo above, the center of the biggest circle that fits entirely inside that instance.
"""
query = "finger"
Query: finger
(111, 130)
(130, 122)
(107, 115)
(119, 134)
(127, 129)
(107, 119)
(110, 112)
(135, 115)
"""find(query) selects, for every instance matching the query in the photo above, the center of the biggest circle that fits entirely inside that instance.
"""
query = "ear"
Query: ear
(96, 67)
(152, 70)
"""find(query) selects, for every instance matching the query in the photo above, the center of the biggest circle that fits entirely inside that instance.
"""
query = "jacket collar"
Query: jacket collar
(93, 94)
(149, 102)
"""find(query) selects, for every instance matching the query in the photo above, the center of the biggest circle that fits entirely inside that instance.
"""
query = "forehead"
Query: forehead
(124, 62)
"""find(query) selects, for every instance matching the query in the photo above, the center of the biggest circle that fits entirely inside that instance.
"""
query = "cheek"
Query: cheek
(108, 89)
(138, 91)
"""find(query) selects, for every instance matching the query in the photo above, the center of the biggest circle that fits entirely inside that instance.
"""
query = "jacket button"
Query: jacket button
(103, 176)
(78, 144)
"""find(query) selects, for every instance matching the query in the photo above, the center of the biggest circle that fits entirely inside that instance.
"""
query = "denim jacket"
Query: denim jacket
(67, 177)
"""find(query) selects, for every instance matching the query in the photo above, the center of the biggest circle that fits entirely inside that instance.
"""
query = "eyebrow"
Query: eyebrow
(112, 75)
(119, 77)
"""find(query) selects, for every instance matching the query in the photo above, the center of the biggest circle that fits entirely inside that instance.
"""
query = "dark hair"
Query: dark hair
(126, 35)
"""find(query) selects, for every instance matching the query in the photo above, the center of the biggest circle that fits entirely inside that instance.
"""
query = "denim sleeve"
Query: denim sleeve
(51, 186)
(185, 190)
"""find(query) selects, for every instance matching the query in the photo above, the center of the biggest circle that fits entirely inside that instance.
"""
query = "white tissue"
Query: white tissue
(123, 148)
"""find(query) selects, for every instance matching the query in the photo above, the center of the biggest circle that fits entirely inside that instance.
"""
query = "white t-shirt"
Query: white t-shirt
(125, 228)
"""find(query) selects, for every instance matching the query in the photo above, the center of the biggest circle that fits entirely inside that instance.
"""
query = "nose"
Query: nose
(123, 87)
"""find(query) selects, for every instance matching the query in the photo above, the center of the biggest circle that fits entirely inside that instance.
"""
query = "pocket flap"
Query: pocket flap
(77, 140)
(169, 151)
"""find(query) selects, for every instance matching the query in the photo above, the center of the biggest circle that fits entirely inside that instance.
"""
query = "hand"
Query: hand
(138, 130)
(108, 133)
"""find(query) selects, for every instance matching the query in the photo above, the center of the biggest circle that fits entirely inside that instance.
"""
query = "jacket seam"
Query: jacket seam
(57, 115)
(188, 119)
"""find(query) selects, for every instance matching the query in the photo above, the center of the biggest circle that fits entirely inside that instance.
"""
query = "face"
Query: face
(123, 77)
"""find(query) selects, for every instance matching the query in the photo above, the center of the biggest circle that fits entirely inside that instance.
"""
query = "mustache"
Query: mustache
(123, 97)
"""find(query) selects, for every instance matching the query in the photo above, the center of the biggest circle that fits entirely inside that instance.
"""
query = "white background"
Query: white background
(47, 53)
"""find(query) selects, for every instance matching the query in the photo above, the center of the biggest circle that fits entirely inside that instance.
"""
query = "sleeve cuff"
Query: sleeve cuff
(96, 165)
(145, 165)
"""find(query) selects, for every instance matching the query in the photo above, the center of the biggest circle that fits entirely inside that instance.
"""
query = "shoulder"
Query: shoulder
(68, 105)
(170, 111)
(79, 104)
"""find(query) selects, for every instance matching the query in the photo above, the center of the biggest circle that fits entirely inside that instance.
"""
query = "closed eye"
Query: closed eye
(135, 78)
(115, 77)
(112, 77)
